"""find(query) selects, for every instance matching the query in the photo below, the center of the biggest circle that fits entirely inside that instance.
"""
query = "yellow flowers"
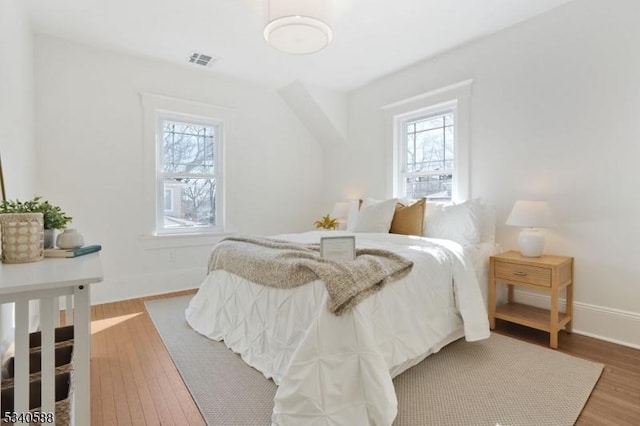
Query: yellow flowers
(326, 222)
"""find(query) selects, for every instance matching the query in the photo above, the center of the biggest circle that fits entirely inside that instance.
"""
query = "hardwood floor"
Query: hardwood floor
(134, 381)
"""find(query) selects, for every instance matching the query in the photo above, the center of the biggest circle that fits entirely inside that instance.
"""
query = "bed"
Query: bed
(337, 370)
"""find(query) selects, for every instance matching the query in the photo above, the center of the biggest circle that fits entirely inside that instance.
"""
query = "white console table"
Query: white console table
(47, 281)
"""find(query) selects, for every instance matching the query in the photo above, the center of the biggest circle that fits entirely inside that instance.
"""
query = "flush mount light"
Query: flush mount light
(298, 27)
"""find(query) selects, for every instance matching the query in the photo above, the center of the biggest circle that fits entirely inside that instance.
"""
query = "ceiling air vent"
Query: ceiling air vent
(201, 59)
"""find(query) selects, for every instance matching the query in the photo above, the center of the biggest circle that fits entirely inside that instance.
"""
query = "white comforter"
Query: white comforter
(337, 370)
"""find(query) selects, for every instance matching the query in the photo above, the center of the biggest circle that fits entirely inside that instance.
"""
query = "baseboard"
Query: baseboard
(600, 322)
(140, 285)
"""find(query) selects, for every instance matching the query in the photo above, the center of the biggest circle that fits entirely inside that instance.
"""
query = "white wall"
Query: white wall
(90, 146)
(17, 145)
(554, 116)
(16, 100)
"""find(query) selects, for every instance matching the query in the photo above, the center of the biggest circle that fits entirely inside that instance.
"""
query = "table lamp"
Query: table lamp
(340, 212)
(531, 215)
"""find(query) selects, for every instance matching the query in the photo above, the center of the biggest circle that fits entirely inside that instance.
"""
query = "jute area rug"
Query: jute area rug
(497, 381)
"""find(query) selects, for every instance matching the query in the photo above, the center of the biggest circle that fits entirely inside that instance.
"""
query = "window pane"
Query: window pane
(430, 123)
(411, 128)
(411, 154)
(433, 187)
(448, 145)
(429, 150)
(448, 119)
(168, 200)
(193, 203)
(188, 148)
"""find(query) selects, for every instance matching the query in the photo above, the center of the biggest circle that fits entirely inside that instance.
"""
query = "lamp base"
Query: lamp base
(531, 242)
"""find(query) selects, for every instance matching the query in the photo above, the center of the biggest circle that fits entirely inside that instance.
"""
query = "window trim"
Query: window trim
(152, 106)
(458, 94)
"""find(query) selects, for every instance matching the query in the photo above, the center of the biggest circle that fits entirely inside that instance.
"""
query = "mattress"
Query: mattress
(337, 370)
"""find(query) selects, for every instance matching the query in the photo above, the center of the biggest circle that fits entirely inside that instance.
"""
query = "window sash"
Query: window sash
(403, 148)
(428, 173)
(188, 175)
(197, 209)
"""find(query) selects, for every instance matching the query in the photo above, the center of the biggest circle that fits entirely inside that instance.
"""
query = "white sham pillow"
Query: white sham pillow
(487, 221)
(352, 214)
(375, 216)
(457, 222)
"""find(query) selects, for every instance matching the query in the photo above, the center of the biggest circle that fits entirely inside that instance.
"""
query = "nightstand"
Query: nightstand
(548, 273)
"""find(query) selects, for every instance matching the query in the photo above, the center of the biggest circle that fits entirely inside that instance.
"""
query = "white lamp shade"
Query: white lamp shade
(298, 26)
(532, 214)
(340, 210)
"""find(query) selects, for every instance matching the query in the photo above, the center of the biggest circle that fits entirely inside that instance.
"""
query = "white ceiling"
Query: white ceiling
(372, 38)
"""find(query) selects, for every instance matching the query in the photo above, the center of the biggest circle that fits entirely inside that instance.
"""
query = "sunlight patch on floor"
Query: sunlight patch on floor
(101, 325)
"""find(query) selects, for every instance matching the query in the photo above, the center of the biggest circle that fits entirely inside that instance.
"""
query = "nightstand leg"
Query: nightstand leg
(569, 327)
(510, 293)
(553, 326)
(492, 297)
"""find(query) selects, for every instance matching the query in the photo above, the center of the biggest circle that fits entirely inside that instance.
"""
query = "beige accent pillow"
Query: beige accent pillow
(408, 220)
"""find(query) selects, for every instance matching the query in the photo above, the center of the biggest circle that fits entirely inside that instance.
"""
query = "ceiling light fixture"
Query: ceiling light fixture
(298, 27)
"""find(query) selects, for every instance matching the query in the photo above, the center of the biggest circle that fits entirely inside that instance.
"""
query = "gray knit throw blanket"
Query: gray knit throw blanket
(282, 264)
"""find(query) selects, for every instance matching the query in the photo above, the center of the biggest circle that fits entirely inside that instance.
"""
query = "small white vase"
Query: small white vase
(70, 239)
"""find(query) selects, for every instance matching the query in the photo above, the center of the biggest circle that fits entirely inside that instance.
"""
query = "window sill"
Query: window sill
(195, 239)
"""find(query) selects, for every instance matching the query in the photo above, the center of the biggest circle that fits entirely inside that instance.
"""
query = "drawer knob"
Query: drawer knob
(520, 274)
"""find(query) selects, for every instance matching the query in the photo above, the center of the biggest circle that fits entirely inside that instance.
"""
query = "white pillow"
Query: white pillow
(375, 216)
(352, 214)
(487, 221)
(457, 222)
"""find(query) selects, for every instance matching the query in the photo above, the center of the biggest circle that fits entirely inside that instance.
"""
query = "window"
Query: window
(182, 202)
(429, 149)
(188, 176)
(428, 156)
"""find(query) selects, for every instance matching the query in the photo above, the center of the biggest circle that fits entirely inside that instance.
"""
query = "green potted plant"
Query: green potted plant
(54, 217)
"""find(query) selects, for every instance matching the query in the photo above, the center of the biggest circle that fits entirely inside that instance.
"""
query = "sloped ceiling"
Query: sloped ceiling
(372, 38)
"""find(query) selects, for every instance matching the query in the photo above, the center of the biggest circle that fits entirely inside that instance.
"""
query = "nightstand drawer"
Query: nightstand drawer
(523, 273)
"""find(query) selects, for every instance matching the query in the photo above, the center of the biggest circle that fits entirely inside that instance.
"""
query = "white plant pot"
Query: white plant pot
(70, 239)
